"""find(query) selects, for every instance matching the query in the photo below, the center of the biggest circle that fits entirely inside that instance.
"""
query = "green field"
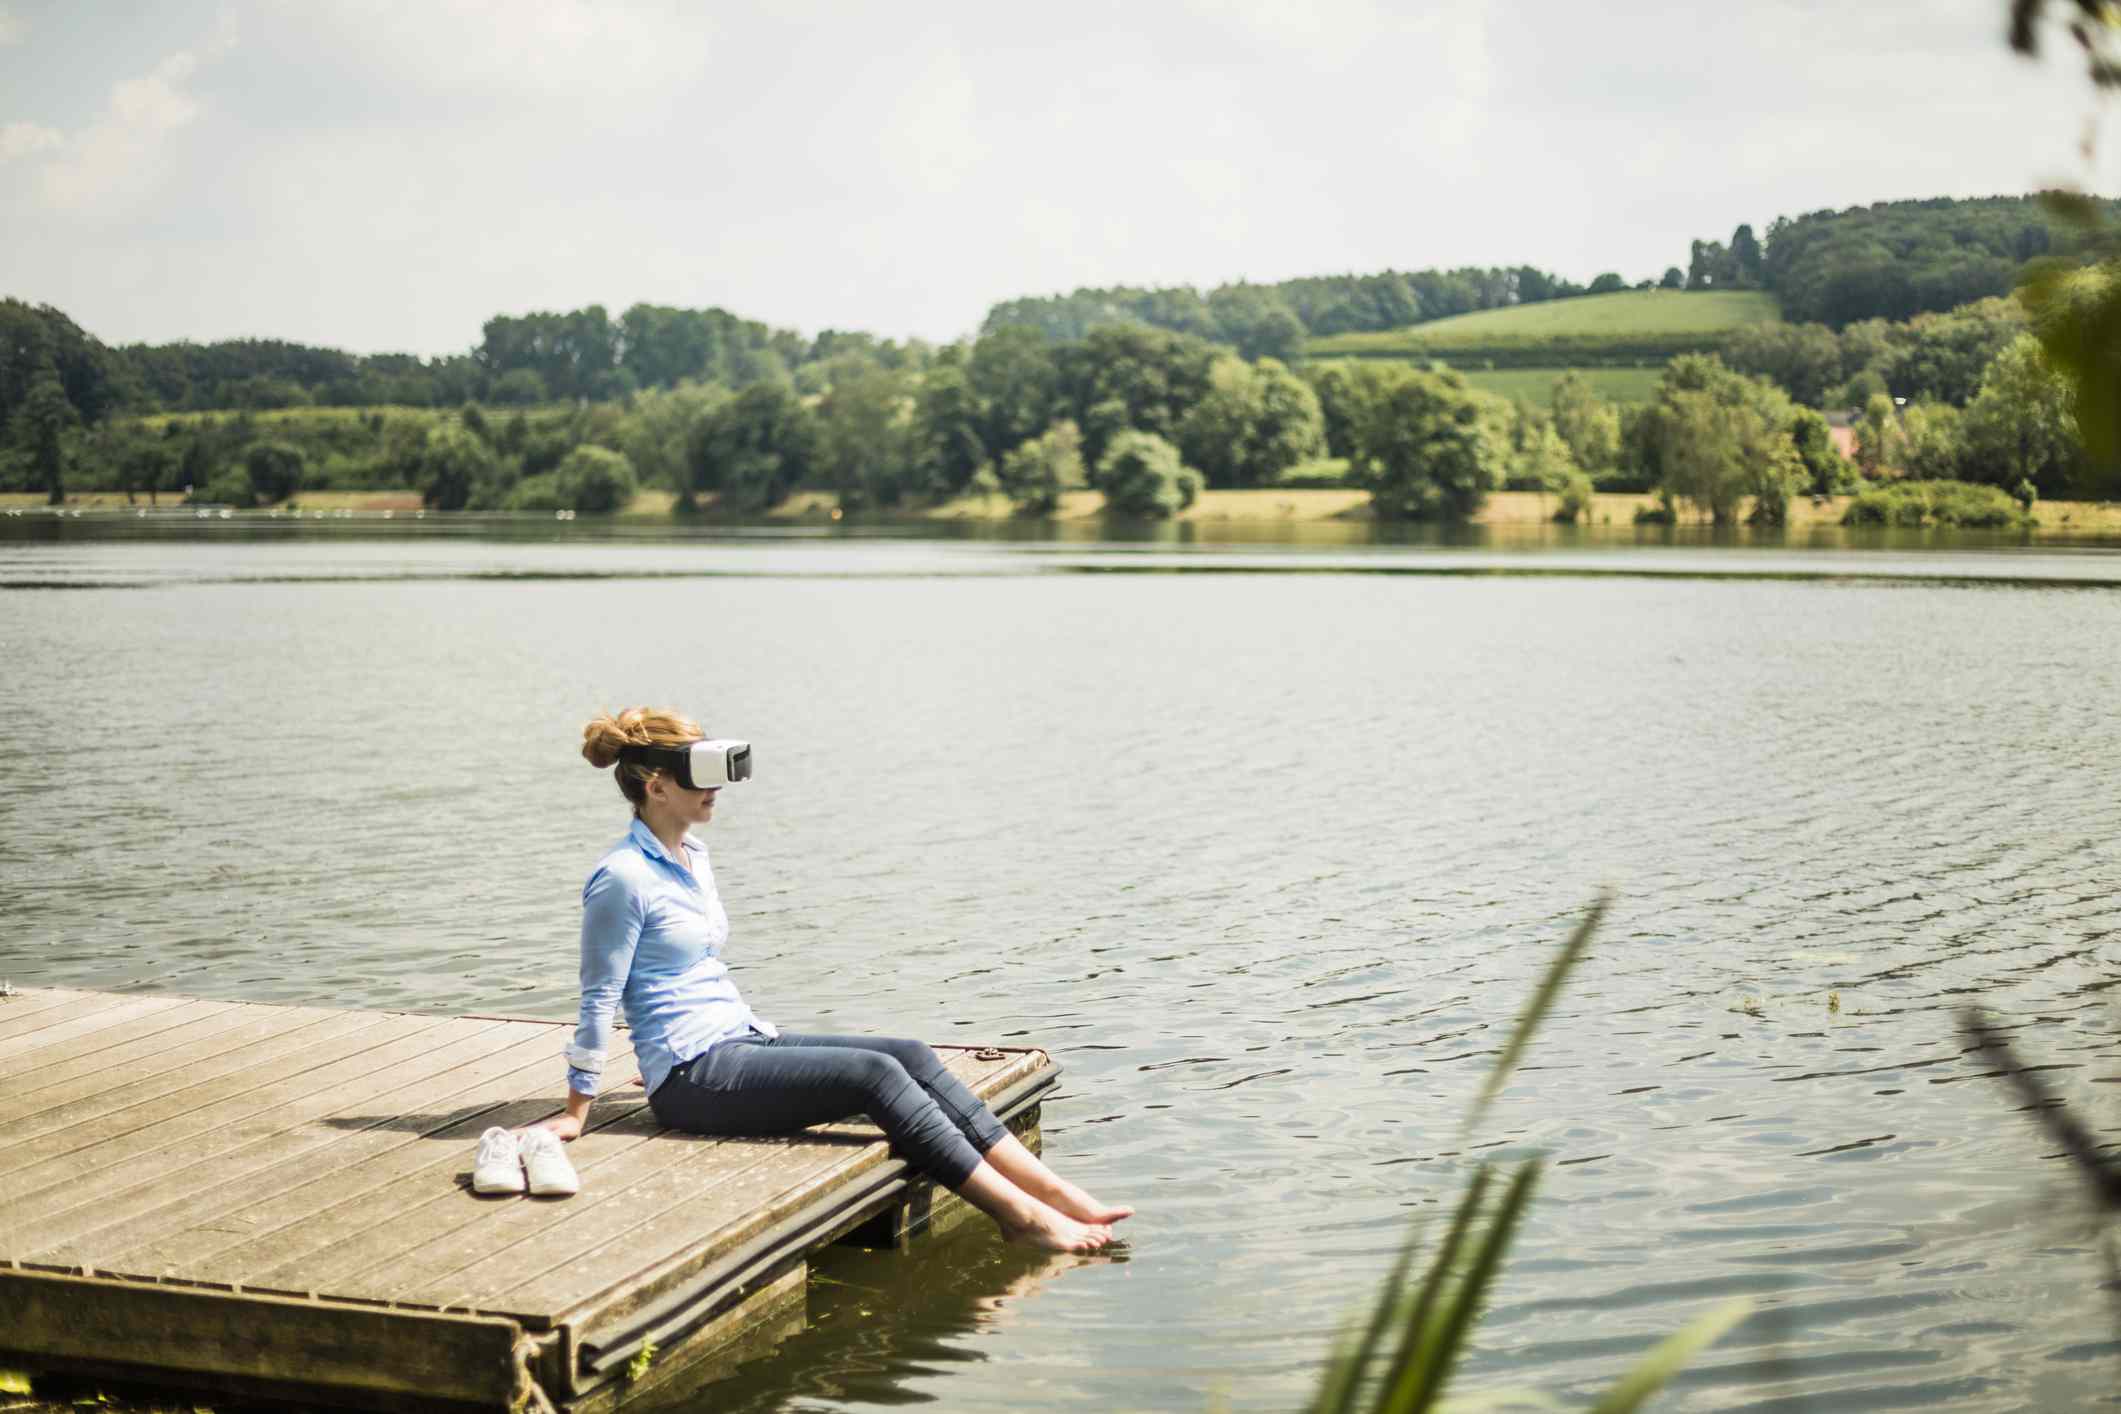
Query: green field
(1536, 385)
(1636, 331)
(1632, 318)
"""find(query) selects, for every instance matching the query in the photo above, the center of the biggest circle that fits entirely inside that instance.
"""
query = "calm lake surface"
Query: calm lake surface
(1266, 846)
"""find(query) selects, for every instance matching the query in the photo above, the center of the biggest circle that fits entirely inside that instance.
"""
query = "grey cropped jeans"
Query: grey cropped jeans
(755, 1084)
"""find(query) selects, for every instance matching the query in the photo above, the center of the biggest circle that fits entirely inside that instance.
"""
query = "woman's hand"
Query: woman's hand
(566, 1126)
(568, 1123)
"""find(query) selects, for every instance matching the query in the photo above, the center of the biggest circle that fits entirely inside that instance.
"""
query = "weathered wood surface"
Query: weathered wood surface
(204, 1169)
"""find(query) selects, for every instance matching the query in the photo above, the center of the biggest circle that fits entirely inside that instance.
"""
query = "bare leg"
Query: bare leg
(1023, 1218)
(1023, 1168)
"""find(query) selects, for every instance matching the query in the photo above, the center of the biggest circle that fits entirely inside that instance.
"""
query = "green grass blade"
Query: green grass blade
(1536, 1010)
(1336, 1393)
(1651, 1372)
(1433, 1286)
(1453, 1324)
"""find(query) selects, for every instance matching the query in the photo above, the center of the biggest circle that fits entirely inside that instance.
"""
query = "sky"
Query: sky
(386, 175)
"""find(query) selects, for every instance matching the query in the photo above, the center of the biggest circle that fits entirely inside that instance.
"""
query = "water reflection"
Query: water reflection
(889, 1328)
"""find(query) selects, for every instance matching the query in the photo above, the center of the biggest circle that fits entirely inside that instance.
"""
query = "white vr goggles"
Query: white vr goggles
(704, 765)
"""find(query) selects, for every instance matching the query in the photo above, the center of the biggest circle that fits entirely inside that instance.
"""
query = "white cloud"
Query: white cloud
(115, 156)
(12, 26)
(525, 49)
(27, 139)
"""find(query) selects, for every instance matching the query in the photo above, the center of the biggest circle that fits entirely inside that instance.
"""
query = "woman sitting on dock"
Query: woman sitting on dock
(652, 934)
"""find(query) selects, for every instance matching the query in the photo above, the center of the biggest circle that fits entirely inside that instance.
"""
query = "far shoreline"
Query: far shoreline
(1251, 509)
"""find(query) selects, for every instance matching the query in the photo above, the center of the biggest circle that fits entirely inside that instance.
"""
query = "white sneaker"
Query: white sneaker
(499, 1166)
(545, 1160)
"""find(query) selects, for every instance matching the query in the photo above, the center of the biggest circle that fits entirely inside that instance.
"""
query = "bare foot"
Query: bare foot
(1086, 1209)
(1056, 1232)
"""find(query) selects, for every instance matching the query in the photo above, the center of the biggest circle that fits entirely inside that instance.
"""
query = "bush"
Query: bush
(229, 487)
(1573, 499)
(1036, 473)
(1420, 446)
(453, 466)
(1141, 475)
(275, 469)
(537, 493)
(1916, 504)
(595, 480)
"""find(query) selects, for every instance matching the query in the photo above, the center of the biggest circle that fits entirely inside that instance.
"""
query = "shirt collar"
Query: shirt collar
(644, 840)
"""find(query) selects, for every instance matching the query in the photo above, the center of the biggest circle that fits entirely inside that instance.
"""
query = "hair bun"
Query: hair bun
(603, 738)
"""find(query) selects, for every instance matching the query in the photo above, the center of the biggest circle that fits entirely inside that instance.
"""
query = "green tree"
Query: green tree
(1012, 374)
(1879, 444)
(1715, 436)
(1257, 320)
(145, 468)
(1587, 423)
(47, 417)
(1674, 279)
(1745, 258)
(595, 481)
(454, 466)
(755, 449)
(2022, 425)
(949, 426)
(1930, 442)
(275, 469)
(1803, 359)
(1418, 445)
(519, 387)
(1607, 283)
(1254, 423)
(1826, 471)
(659, 431)
(1944, 357)
(1036, 474)
(864, 436)
(1141, 474)
(1155, 375)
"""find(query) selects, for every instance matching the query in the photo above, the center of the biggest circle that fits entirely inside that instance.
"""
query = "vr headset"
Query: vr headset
(704, 765)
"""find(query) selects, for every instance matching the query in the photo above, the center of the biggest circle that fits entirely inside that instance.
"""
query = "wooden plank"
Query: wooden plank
(290, 1144)
(635, 1194)
(321, 1211)
(389, 1251)
(682, 1368)
(100, 1122)
(16, 1010)
(88, 1054)
(79, 1019)
(597, 1287)
(116, 1166)
(649, 1205)
(298, 1157)
(407, 1191)
(172, 1328)
(62, 1105)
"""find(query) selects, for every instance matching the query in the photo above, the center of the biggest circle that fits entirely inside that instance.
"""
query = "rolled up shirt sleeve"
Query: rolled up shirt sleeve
(611, 931)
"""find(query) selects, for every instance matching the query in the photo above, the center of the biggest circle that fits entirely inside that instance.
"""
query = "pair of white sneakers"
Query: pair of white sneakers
(505, 1159)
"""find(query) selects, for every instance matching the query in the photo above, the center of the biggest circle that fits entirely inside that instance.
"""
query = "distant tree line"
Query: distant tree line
(1892, 260)
(1895, 260)
(1272, 321)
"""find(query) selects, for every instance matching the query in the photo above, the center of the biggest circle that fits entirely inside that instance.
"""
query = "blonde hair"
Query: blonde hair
(605, 734)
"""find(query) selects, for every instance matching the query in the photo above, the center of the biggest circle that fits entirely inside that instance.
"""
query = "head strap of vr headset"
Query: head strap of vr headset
(675, 759)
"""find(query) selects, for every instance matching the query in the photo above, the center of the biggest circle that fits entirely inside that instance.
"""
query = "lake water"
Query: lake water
(1266, 845)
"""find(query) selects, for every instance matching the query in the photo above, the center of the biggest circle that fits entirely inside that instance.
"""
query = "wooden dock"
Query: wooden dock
(275, 1202)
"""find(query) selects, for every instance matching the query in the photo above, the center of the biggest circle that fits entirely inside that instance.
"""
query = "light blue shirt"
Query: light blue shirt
(652, 934)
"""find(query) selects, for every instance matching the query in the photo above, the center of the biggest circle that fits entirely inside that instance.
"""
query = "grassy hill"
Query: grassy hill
(1629, 326)
(1620, 341)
